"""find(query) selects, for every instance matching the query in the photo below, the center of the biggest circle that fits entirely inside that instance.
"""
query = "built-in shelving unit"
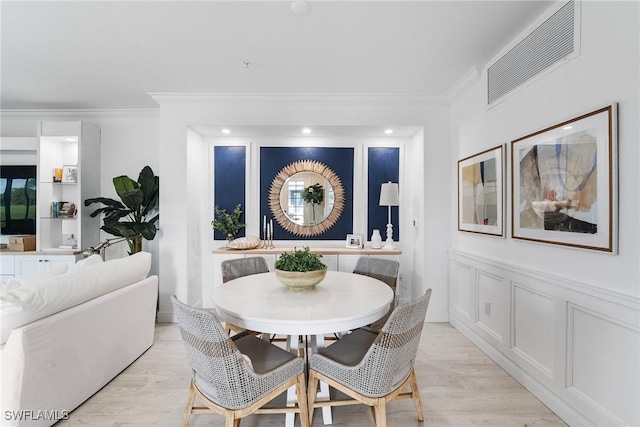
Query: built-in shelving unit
(74, 149)
(68, 173)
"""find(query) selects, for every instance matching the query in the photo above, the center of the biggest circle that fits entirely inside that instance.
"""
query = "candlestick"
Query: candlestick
(271, 245)
(264, 236)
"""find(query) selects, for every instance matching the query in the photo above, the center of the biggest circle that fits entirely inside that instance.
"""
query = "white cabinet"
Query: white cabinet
(7, 267)
(26, 265)
(68, 173)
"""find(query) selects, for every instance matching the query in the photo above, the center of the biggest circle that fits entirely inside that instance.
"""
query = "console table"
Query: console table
(319, 250)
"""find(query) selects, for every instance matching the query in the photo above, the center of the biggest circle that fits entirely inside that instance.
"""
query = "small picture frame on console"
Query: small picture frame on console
(354, 241)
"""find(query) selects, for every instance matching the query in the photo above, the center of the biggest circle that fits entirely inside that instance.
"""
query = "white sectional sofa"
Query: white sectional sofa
(65, 336)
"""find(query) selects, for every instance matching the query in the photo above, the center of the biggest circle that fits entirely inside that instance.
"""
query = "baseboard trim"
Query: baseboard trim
(166, 317)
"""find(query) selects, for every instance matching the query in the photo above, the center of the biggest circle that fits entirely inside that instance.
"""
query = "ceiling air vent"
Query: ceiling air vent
(549, 43)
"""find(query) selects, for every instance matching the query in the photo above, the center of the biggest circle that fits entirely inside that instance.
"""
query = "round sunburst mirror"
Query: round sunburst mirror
(306, 198)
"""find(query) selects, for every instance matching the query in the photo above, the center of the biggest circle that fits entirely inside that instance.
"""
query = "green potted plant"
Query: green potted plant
(314, 195)
(300, 269)
(228, 223)
(136, 216)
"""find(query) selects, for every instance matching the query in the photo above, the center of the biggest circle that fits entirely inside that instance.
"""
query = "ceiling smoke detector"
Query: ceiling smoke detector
(300, 7)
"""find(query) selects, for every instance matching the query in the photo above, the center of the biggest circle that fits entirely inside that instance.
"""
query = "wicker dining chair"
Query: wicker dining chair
(385, 270)
(237, 376)
(371, 368)
(240, 267)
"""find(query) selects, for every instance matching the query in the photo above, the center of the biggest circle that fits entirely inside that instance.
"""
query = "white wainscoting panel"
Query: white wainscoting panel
(490, 304)
(532, 327)
(574, 346)
(603, 375)
(462, 301)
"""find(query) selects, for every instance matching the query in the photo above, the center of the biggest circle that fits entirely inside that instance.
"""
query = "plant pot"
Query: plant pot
(301, 281)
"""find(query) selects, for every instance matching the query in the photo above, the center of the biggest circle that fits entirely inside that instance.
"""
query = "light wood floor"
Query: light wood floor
(459, 386)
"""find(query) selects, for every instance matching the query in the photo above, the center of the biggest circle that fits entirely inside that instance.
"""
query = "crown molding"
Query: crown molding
(298, 99)
(470, 78)
(66, 114)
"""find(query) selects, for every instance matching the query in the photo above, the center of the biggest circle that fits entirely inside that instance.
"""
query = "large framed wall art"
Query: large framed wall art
(480, 192)
(564, 183)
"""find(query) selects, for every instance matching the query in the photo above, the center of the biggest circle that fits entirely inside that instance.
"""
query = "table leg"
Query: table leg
(293, 345)
(317, 342)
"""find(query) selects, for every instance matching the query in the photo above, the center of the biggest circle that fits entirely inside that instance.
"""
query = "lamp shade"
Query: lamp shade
(389, 194)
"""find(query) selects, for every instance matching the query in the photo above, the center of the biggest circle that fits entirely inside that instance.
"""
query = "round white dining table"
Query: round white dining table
(341, 302)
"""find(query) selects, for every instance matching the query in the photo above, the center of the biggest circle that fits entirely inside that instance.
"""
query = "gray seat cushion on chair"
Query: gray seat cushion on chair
(351, 348)
(264, 357)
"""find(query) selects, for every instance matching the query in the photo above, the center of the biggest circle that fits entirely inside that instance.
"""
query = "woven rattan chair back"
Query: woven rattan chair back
(386, 368)
(224, 379)
(391, 357)
(393, 353)
(240, 267)
(212, 355)
(385, 270)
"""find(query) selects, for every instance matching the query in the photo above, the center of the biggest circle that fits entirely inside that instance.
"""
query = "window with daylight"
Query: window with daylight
(295, 205)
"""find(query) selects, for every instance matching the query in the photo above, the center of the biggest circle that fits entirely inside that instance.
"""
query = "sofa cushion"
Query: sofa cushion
(26, 304)
(85, 262)
(18, 282)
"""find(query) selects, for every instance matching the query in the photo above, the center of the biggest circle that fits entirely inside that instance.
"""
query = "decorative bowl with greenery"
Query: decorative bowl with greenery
(300, 270)
(228, 223)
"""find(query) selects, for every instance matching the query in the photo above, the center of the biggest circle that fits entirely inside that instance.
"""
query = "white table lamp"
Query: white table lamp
(389, 197)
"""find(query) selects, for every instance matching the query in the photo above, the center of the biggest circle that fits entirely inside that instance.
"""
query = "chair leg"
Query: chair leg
(380, 413)
(230, 419)
(312, 390)
(190, 399)
(413, 381)
(302, 401)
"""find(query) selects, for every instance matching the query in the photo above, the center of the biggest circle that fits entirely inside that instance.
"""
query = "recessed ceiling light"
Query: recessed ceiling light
(306, 131)
(388, 131)
(226, 131)
(300, 7)
(567, 127)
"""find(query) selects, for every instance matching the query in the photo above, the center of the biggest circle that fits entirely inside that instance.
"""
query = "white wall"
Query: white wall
(606, 71)
(563, 321)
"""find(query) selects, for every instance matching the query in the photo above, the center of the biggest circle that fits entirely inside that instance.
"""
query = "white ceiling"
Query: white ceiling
(109, 55)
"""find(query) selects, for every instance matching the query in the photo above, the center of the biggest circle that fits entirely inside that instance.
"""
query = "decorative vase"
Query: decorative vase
(299, 281)
(229, 238)
(376, 239)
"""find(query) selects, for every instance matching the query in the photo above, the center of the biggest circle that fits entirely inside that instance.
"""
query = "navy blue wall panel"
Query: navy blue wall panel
(229, 165)
(384, 166)
(340, 160)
